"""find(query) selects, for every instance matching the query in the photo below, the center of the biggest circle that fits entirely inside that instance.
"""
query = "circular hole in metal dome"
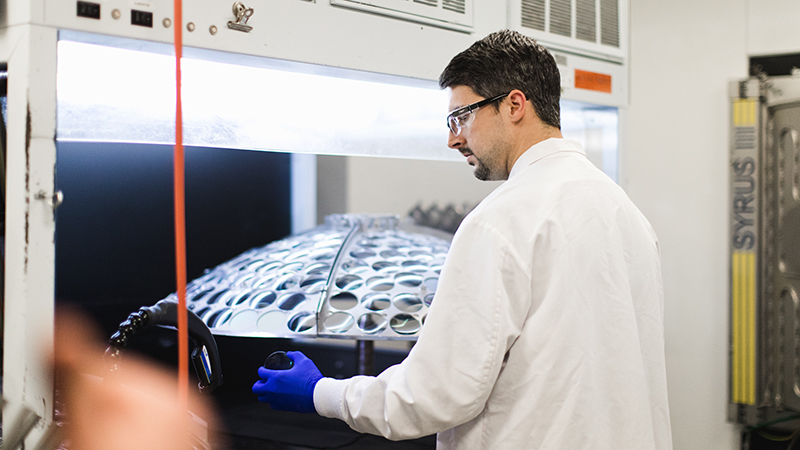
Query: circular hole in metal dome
(408, 279)
(231, 277)
(392, 254)
(279, 254)
(270, 266)
(334, 242)
(426, 258)
(290, 301)
(237, 298)
(244, 320)
(199, 294)
(349, 282)
(313, 285)
(253, 265)
(431, 284)
(385, 267)
(211, 278)
(318, 269)
(263, 281)
(339, 322)
(440, 252)
(273, 321)
(428, 299)
(243, 279)
(437, 269)
(191, 307)
(294, 256)
(376, 301)
(408, 302)
(319, 255)
(355, 266)
(202, 312)
(415, 266)
(368, 243)
(423, 254)
(219, 317)
(405, 324)
(362, 253)
(303, 321)
(291, 268)
(263, 299)
(380, 284)
(372, 323)
(213, 298)
(286, 282)
(344, 300)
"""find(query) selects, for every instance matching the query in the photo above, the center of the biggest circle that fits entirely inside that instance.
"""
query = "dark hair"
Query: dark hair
(504, 61)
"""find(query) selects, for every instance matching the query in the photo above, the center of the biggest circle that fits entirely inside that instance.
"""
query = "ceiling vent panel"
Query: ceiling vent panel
(457, 6)
(592, 28)
(433, 3)
(561, 17)
(451, 14)
(586, 20)
(533, 14)
(609, 22)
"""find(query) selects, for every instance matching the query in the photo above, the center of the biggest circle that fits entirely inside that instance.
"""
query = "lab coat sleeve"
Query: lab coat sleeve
(480, 305)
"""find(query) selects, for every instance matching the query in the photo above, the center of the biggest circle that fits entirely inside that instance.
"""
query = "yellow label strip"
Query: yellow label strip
(743, 333)
(744, 112)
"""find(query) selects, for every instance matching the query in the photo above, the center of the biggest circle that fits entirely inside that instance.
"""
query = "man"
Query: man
(546, 331)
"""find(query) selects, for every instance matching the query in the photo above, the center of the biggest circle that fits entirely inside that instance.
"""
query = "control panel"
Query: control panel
(315, 32)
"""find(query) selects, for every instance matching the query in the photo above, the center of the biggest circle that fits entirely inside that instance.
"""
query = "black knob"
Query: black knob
(278, 361)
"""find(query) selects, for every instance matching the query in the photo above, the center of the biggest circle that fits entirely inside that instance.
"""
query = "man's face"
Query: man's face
(481, 140)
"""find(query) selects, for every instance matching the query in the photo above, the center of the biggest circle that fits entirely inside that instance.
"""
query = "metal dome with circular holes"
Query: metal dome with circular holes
(356, 276)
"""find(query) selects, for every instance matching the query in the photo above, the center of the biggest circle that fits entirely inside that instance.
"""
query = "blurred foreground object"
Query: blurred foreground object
(132, 408)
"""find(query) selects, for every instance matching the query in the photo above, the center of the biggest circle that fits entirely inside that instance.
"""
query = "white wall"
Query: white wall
(683, 53)
(395, 186)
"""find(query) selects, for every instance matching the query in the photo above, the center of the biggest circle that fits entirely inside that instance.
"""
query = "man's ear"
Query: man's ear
(519, 105)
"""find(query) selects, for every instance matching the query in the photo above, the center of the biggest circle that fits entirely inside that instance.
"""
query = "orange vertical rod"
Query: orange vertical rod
(180, 220)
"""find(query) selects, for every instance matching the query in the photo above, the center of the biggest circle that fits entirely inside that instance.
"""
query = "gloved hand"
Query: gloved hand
(292, 389)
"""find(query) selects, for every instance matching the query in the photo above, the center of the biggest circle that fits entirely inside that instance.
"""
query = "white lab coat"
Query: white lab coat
(546, 331)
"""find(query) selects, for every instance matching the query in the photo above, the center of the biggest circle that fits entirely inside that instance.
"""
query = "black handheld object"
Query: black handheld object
(278, 361)
(205, 356)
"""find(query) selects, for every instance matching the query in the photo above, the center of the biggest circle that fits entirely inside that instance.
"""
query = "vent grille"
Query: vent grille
(457, 6)
(609, 22)
(595, 21)
(533, 14)
(586, 23)
(561, 17)
(450, 14)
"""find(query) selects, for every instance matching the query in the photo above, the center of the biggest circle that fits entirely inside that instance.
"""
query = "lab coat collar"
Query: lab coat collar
(544, 149)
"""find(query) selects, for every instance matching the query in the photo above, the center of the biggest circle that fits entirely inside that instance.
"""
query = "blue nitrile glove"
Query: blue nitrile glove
(291, 389)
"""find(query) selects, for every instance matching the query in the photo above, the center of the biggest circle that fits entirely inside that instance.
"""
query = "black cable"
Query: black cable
(793, 441)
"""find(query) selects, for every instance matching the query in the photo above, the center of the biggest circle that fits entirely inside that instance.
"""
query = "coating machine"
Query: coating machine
(267, 86)
(764, 239)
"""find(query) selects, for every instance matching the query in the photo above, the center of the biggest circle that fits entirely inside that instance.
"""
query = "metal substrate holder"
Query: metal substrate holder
(356, 277)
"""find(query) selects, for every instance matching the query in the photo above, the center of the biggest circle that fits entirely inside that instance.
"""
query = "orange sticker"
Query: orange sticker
(592, 81)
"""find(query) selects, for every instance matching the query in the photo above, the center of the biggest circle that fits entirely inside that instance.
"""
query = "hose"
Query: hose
(205, 355)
